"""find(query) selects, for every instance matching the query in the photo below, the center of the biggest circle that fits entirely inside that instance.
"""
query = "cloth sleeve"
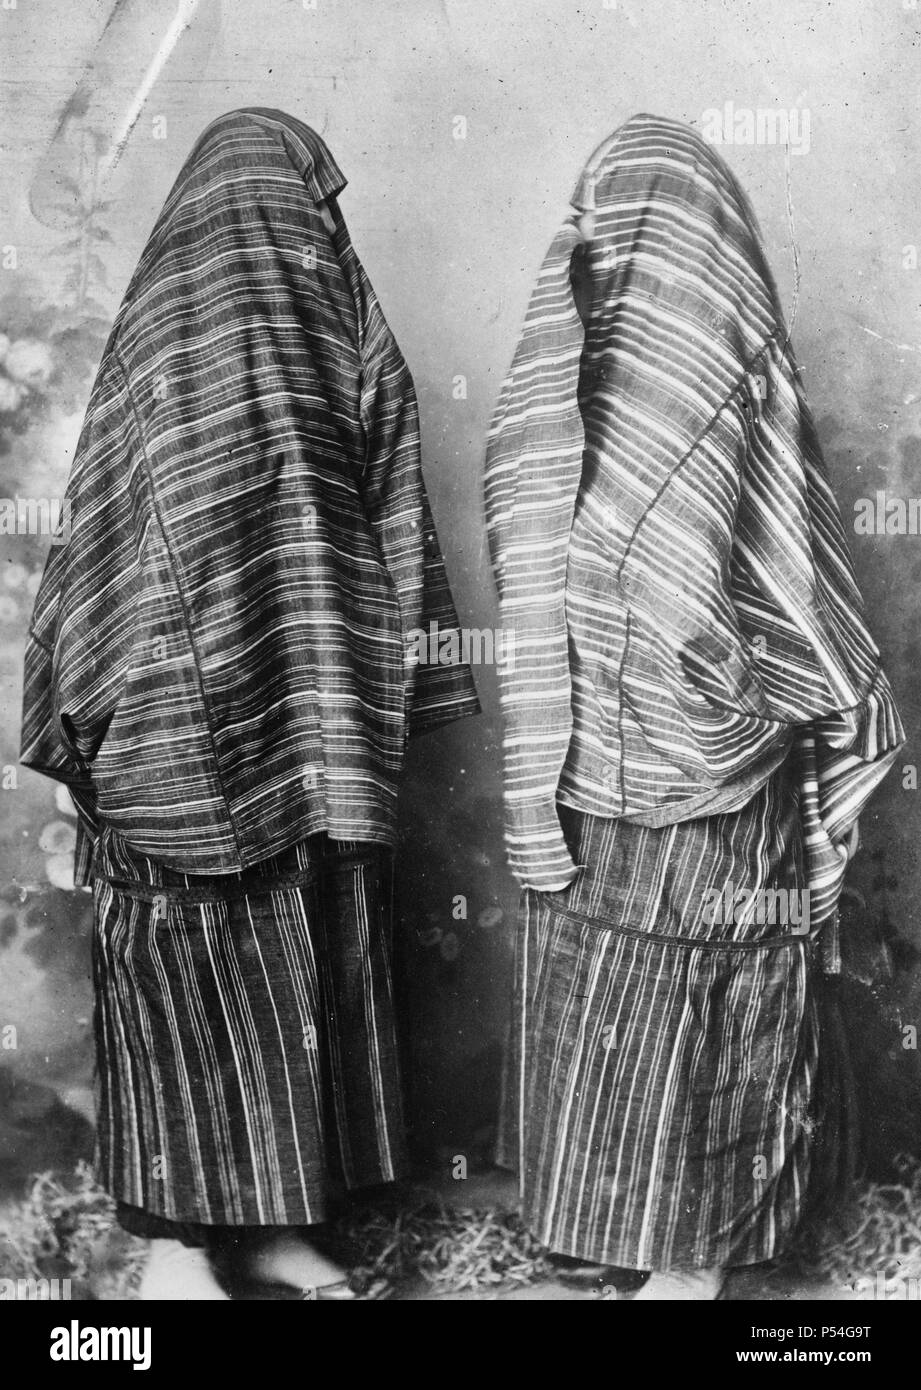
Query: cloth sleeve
(83, 627)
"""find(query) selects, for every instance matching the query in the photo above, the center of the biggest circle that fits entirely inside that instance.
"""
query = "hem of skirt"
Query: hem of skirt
(624, 1256)
(249, 854)
(324, 1210)
(621, 1259)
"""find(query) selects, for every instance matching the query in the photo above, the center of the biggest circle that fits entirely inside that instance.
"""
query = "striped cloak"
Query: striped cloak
(695, 710)
(220, 660)
(668, 552)
(222, 667)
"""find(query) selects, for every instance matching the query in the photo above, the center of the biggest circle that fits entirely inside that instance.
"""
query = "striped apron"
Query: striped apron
(246, 1054)
(665, 1062)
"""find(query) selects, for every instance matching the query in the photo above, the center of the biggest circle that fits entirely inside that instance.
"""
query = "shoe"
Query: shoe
(591, 1278)
(332, 1293)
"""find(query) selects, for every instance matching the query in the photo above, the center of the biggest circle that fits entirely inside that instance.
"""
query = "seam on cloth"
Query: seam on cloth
(303, 878)
(179, 579)
(692, 943)
(728, 402)
(149, 893)
(621, 742)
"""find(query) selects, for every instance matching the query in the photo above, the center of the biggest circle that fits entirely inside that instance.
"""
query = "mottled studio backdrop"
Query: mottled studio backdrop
(461, 126)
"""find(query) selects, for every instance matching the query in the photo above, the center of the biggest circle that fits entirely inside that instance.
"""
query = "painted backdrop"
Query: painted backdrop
(461, 125)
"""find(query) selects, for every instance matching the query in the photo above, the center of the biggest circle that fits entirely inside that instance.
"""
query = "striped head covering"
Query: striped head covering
(668, 552)
(220, 657)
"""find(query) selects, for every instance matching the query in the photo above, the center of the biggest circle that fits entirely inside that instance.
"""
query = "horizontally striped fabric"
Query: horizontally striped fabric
(247, 1061)
(667, 549)
(662, 1097)
(221, 659)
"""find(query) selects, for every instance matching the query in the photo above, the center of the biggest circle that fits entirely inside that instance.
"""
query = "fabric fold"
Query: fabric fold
(667, 549)
(219, 649)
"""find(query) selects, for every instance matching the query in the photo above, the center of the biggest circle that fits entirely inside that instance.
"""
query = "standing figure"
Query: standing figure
(221, 669)
(694, 719)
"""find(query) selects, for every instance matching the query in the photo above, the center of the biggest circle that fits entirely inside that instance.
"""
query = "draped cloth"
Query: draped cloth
(665, 1064)
(245, 1036)
(669, 556)
(695, 713)
(221, 658)
(223, 668)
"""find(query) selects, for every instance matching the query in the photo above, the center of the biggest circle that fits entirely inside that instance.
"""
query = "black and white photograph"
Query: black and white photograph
(460, 621)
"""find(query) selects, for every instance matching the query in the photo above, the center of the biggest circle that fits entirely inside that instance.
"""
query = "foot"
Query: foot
(682, 1285)
(608, 1280)
(290, 1259)
(175, 1271)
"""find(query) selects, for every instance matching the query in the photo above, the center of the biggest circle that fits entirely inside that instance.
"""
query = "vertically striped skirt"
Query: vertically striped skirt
(664, 1062)
(246, 1056)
